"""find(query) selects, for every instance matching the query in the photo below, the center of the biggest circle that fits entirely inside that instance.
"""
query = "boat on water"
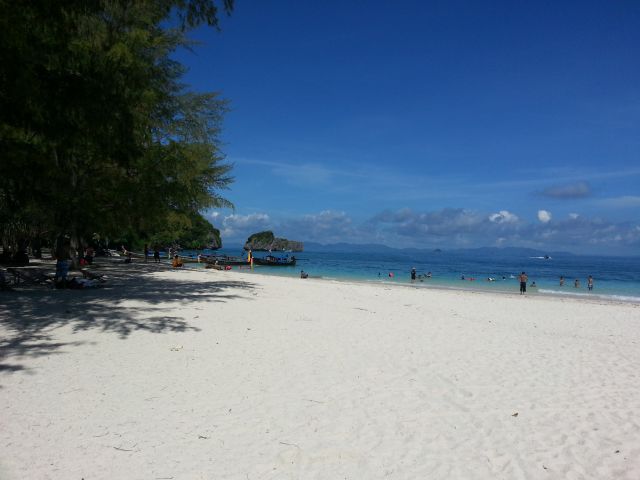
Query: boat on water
(224, 260)
(273, 261)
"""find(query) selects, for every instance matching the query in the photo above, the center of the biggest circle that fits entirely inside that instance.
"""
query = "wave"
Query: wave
(620, 298)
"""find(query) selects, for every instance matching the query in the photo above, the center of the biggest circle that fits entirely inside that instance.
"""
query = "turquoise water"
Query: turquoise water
(616, 278)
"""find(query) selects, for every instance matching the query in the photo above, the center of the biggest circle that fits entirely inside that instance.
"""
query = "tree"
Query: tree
(97, 132)
(188, 231)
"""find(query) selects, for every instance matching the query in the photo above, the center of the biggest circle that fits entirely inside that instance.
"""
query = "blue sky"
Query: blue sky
(433, 124)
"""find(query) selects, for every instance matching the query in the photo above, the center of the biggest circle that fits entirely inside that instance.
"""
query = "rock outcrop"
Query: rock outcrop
(215, 242)
(265, 241)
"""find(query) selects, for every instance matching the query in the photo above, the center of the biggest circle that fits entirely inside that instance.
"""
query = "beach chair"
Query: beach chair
(88, 274)
(30, 276)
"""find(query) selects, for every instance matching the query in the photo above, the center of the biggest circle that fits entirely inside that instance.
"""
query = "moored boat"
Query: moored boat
(273, 261)
(224, 260)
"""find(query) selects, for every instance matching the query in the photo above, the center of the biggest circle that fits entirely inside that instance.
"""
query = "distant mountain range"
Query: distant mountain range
(377, 248)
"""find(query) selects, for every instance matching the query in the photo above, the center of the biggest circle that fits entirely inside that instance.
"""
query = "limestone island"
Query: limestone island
(266, 241)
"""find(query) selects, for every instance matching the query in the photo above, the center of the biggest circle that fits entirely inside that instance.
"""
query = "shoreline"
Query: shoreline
(429, 284)
(542, 292)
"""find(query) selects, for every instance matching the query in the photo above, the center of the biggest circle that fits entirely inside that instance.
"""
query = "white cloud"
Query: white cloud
(308, 173)
(570, 191)
(323, 227)
(240, 226)
(544, 216)
(445, 228)
(621, 202)
(440, 223)
(503, 216)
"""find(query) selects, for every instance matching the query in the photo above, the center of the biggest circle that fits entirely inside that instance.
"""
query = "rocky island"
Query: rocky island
(266, 241)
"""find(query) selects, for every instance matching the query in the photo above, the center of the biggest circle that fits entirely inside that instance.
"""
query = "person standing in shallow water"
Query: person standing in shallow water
(590, 283)
(413, 274)
(523, 283)
(562, 281)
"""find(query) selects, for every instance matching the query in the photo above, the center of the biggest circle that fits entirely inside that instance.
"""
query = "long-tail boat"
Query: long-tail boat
(273, 261)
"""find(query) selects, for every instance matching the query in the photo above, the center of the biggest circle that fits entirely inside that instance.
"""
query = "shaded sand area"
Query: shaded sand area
(205, 374)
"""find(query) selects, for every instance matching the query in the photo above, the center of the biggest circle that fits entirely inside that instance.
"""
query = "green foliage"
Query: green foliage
(97, 132)
(261, 238)
(188, 230)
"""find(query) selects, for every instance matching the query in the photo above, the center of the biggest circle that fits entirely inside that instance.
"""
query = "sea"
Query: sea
(615, 278)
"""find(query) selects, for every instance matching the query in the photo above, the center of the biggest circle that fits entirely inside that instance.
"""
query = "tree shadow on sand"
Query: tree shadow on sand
(29, 316)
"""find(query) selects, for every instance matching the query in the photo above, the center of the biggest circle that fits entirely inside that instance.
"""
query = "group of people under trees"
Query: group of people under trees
(64, 253)
(63, 85)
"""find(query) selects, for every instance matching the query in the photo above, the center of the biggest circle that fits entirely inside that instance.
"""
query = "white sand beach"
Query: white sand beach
(227, 375)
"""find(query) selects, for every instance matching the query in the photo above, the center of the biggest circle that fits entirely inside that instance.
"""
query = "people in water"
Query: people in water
(422, 276)
(303, 274)
(533, 284)
(576, 283)
(561, 281)
(523, 283)
(590, 283)
(413, 274)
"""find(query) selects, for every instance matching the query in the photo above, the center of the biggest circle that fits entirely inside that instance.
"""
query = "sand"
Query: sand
(205, 374)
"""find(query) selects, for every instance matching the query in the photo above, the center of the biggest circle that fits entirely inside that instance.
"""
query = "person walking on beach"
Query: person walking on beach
(523, 283)
(590, 283)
